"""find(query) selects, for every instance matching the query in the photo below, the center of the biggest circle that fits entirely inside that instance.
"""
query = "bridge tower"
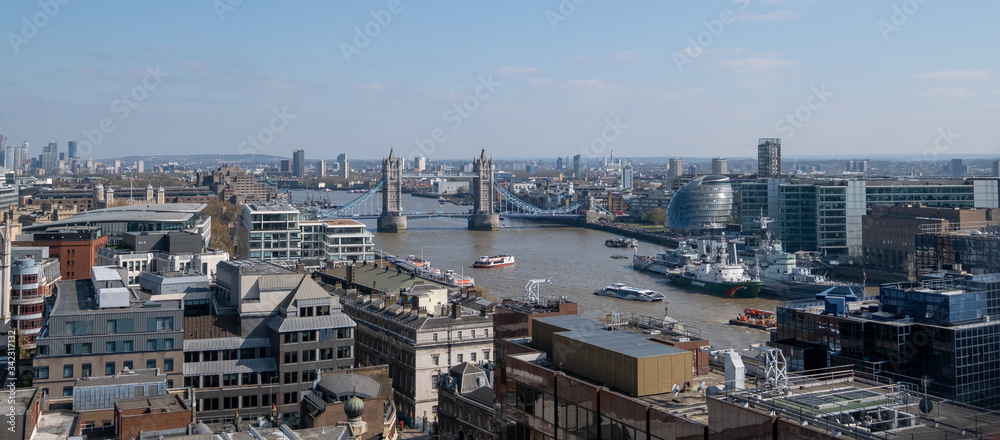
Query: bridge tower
(392, 218)
(484, 218)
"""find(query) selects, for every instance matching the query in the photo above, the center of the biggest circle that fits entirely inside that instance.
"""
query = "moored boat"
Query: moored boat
(621, 242)
(621, 291)
(755, 318)
(663, 261)
(718, 273)
(494, 261)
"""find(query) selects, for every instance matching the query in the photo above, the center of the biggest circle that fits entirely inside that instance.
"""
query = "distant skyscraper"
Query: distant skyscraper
(50, 153)
(627, 177)
(345, 172)
(577, 167)
(996, 168)
(768, 157)
(118, 166)
(676, 167)
(299, 163)
(559, 164)
(285, 166)
(420, 164)
(71, 148)
(321, 169)
(693, 169)
(23, 157)
(720, 166)
(140, 166)
(957, 168)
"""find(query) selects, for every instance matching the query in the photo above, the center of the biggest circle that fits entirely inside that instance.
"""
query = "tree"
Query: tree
(224, 217)
(657, 216)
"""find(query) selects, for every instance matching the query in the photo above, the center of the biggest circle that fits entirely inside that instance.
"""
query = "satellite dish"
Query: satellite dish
(925, 405)
(701, 386)
(676, 389)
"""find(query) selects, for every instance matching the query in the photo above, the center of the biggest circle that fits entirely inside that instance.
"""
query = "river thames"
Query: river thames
(575, 260)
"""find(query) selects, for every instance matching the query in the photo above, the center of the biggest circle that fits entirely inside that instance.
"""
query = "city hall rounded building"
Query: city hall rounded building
(703, 203)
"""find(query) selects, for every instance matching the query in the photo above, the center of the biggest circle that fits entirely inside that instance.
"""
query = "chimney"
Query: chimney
(456, 310)
(350, 276)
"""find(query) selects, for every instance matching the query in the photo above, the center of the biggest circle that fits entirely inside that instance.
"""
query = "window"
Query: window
(230, 379)
(309, 336)
(486, 355)
(79, 328)
(325, 354)
(151, 363)
(308, 355)
(127, 365)
(165, 323)
(291, 357)
(67, 371)
(249, 379)
(434, 359)
(486, 332)
(249, 401)
(473, 333)
(291, 377)
(109, 369)
(109, 347)
(151, 344)
(343, 333)
(168, 344)
(435, 336)
(120, 326)
(192, 382)
(290, 397)
(126, 345)
(211, 381)
(459, 334)
(459, 358)
(168, 365)
(43, 350)
(86, 348)
(291, 337)
(42, 373)
(67, 391)
(230, 402)
(308, 375)
(68, 349)
(170, 383)
(472, 356)
(343, 352)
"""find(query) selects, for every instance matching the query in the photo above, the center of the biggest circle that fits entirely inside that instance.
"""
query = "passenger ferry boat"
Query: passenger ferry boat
(621, 291)
(417, 262)
(494, 261)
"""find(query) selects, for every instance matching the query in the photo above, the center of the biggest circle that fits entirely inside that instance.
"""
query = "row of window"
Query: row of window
(459, 358)
(83, 328)
(459, 334)
(318, 335)
(86, 370)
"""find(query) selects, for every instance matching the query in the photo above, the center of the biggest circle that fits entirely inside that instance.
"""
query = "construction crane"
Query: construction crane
(531, 290)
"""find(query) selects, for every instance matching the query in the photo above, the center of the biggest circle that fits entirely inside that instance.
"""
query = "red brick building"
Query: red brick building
(150, 414)
(75, 247)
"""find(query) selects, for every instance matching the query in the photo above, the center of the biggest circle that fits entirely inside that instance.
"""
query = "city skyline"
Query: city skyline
(553, 79)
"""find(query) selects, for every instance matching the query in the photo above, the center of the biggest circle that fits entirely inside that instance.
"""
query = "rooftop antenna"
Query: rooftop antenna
(531, 290)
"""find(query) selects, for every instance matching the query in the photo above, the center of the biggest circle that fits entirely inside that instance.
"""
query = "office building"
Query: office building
(337, 240)
(996, 168)
(50, 154)
(71, 150)
(140, 166)
(720, 166)
(75, 247)
(627, 177)
(32, 280)
(704, 203)
(276, 332)
(559, 164)
(115, 222)
(432, 333)
(973, 247)
(299, 163)
(320, 169)
(420, 164)
(825, 215)
(343, 167)
(237, 186)
(99, 326)
(939, 329)
(676, 168)
(957, 168)
(268, 231)
(465, 403)
(856, 166)
(577, 167)
(768, 157)
(359, 399)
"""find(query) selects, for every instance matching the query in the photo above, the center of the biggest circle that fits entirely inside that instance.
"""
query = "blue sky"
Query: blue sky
(540, 78)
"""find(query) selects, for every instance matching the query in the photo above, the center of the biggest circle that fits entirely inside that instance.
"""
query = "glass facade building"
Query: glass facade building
(939, 330)
(703, 203)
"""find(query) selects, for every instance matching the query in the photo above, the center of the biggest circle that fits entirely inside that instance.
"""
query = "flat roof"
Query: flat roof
(122, 378)
(76, 296)
(150, 213)
(160, 404)
(258, 267)
(623, 342)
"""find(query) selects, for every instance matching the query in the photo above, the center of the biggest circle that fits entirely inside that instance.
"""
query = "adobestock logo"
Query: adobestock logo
(456, 115)
(363, 35)
(40, 19)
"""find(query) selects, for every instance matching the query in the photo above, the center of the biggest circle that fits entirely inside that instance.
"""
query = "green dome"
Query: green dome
(354, 407)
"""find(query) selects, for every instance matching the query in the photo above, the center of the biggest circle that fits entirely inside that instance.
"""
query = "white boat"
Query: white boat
(621, 291)
(494, 261)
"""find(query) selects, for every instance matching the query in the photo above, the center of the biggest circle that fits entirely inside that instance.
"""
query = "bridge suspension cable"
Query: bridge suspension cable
(363, 201)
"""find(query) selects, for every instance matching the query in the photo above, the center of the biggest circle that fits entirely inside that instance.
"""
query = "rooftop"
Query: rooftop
(275, 207)
(257, 267)
(122, 378)
(161, 404)
(165, 212)
(76, 296)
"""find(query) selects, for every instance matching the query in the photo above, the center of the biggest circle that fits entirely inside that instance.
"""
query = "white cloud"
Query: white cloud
(953, 75)
(757, 64)
(508, 69)
(373, 86)
(593, 84)
(622, 55)
(540, 81)
(946, 93)
(781, 14)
